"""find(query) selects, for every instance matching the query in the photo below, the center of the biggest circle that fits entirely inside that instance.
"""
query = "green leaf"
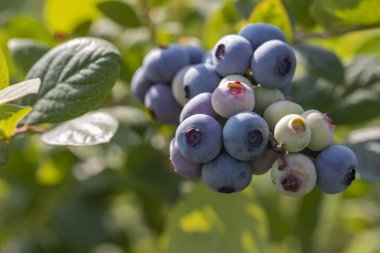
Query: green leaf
(371, 46)
(120, 12)
(274, 12)
(90, 129)
(4, 72)
(360, 101)
(26, 52)
(299, 14)
(10, 116)
(333, 14)
(19, 90)
(221, 22)
(206, 221)
(321, 62)
(76, 77)
(4, 152)
(366, 145)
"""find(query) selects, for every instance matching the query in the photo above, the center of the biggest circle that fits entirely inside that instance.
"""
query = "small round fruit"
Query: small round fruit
(232, 97)
(258, 33)
(181, 165)
(297, 178)
(225, 174)
(336, 168)
(200, 104)
(232, 55)
(199, 138)
(161, 104)
(273, 64)
(293, 132)
(263, 163)
(195, 53)
(245, 135)
(322, 131)
(140, 84)
(274, 112)
(265, 97)
(177, 86)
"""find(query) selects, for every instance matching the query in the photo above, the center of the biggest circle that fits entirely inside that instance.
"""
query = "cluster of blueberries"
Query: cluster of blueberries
(233, 118)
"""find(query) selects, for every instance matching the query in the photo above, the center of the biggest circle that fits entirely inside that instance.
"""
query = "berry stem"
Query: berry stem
(279, 151)
(28, 128)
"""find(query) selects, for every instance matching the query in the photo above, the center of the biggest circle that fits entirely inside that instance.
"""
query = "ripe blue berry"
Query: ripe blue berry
(232, 97)
(199, 138)
(200, 104)
(245, 135)
(181, 165)
(161, 104)
(259, 33)
(273, 64)
(297, 178)
(263, 163)
(336, 168)
(200, 78)
(232, 55)
(162, 63)
(225, 174)
(195, 53)
(140, 84)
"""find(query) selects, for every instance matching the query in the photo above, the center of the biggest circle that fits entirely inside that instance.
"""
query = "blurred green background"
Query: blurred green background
(123, 197)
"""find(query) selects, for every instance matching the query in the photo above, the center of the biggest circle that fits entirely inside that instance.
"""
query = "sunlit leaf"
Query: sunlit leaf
(90, 129)
(206, 221)
(119, 12)
(19, 90)
(274, 12)
(10, 116)
(76, 77)
(4, 72)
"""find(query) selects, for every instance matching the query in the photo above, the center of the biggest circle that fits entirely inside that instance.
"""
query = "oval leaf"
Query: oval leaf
(4, 72)
(90, 129)
(366, 145)
(206, 221)
(274, 12)
(10, 116)
(26, 52)
(76, 76)
(19, 90)
(120, 13)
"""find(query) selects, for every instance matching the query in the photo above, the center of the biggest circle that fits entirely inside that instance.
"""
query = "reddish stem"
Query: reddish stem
(278, 150)
(29, 128)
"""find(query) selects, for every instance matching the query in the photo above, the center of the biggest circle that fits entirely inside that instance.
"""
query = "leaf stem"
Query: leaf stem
(278, 150)
(29, 128)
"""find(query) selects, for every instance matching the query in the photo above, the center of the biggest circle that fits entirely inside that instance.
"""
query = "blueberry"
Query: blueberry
(263, 163)
(297, 178)
(287, 89)
(322, 131)
(207, 58)
(273, 64)
(336, 168)
(200, 104)
(240, 78)
(226, 174)
(245, 135)
(293, 132)
(232, 97)
(265, 97)
(274, 112)
(199, 138)
(200, 78)
(232, 55)
(259, 33)
(181, 165)
(161, 104)
(195, 53)
(140, 84)
(177, 86)
(162, 63)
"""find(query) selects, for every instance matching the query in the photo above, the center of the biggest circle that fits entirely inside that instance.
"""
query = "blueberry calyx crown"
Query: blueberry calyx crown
(255, 138)
(193, 136)
(283, 66)
(220, 51)
(225, 189)
(349, 176)
(187, 92)
(236, 87)
(298, 125)
(291, 183)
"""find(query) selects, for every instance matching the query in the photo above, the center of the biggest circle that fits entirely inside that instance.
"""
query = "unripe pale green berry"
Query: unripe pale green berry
(177, 86)
(274, 112)
(297, 178)
(293, 132)
(265, 97)
(322, 131)
(233, 78)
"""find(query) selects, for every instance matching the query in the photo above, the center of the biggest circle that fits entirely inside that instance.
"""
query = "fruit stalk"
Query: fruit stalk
(277, 148)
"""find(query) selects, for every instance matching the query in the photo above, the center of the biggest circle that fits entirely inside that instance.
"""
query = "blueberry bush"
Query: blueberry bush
(91, 140)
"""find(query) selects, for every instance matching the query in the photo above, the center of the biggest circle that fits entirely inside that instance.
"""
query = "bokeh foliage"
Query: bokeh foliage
(123, 197)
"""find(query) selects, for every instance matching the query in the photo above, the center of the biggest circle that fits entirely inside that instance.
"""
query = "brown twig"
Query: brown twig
(278, 150)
